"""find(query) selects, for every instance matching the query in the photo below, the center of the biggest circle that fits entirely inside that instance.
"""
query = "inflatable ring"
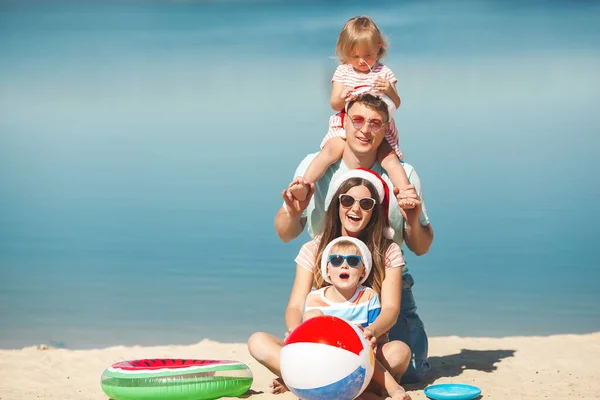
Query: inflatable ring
(176, 379)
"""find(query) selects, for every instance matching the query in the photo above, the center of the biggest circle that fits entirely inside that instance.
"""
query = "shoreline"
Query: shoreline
(520, 367)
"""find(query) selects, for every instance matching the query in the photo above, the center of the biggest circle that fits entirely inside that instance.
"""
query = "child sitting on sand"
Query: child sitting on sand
(345, 265)
(360, 48)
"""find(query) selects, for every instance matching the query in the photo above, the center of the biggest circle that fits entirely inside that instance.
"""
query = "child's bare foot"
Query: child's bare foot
(406, 204)
(400, 395)
(278, 386)
(298, 190)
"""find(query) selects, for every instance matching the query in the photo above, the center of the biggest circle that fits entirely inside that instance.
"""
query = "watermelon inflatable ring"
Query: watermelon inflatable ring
(175, 379)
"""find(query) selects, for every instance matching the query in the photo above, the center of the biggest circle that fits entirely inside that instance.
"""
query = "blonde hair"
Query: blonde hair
(371, 235)
(359, 31)
(344, 245)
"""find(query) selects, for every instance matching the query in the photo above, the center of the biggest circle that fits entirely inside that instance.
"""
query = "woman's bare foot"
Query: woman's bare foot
(278, 386)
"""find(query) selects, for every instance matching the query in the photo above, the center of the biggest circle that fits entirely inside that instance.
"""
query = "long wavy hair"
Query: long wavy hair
(371, 235)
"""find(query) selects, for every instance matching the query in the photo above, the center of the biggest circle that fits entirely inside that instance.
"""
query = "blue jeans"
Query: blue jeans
(410, 330)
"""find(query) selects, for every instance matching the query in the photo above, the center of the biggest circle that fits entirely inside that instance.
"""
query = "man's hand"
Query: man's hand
(294, 206)
(409, 201)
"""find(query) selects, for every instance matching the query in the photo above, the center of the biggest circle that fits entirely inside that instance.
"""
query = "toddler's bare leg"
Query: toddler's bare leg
(391, 163)
(331, 152)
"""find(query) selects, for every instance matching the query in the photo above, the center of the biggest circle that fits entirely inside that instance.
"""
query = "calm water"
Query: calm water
(143, 147)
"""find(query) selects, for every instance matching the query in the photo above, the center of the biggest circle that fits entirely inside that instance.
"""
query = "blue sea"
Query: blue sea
(144, 146)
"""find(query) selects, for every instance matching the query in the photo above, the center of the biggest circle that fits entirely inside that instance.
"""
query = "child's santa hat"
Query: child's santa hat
(383, 192)
(366, 257)
(368, 89)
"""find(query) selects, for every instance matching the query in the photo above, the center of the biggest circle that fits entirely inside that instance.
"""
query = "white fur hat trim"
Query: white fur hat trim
(390, 104)
(364, 252)
(359, 173)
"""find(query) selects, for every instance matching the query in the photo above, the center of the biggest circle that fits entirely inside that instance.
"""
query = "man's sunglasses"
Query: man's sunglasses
(336, 260)
(366, 203)
(358, 121)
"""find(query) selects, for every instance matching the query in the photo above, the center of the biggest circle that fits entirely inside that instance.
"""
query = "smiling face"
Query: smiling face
(363, 140)
(344, 276)
(354, 219)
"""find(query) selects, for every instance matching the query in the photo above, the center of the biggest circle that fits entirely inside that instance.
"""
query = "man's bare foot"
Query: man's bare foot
(278, 386)
(299, 191)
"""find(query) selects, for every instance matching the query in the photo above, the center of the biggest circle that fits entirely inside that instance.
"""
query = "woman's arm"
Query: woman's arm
(390, 297)
(295, 309)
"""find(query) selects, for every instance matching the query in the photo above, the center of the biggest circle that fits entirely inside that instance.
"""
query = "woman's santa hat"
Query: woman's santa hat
(365, 254)
(383, 192)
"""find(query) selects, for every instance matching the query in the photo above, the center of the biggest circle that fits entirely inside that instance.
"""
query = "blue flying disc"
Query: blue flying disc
(452, 391)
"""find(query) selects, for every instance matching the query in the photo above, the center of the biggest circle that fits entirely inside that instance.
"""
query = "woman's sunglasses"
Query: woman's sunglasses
(366, 203)
(336, 260)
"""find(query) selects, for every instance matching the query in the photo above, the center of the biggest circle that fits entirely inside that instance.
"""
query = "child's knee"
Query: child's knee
(387, 157)
(397, 355)
(256, 345)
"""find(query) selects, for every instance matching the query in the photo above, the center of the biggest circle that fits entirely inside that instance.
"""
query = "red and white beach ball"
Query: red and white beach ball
(326, 358)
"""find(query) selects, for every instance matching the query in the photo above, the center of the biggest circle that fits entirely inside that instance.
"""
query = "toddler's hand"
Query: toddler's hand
(347, 94)
(383, 85)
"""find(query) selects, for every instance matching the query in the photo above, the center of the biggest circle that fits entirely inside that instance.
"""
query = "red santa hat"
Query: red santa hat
(368, 89)
(383, 192)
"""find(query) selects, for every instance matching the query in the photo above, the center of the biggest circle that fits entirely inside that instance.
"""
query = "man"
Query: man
(410, 225)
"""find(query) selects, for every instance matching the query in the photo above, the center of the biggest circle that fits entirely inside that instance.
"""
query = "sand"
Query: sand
(554, 367)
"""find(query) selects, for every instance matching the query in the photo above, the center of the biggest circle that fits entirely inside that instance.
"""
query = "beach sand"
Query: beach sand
(554, 367)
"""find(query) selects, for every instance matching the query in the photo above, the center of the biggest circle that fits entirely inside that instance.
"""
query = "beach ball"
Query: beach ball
(326, 358)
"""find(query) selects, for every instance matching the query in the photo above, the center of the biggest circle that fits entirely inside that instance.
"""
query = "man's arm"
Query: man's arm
(288, 225)
(418, 237)
(289, 222)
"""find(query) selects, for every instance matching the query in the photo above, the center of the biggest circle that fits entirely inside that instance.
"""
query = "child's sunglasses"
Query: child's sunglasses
(336, 260)
(366, 203)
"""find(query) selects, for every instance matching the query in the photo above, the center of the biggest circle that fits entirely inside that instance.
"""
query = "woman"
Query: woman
(358, 209)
